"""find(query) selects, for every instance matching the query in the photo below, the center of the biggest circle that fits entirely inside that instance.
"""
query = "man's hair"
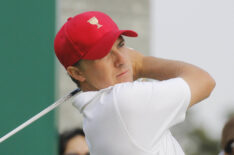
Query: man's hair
(228, 136)
(77, 65)
(66, 136)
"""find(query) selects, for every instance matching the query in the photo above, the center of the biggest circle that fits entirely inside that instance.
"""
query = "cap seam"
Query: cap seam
(73, 44)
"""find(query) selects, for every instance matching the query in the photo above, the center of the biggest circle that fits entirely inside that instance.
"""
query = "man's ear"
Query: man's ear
(76, 73)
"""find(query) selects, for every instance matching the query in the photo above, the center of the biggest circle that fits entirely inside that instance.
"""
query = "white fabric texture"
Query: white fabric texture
(134, 118)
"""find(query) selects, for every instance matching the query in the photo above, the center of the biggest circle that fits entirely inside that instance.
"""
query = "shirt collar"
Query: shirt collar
(84, 98)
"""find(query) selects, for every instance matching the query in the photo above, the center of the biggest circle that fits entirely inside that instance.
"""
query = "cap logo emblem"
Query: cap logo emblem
(94, 21)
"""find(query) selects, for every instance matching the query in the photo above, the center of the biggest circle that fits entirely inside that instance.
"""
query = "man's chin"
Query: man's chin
(126, 80)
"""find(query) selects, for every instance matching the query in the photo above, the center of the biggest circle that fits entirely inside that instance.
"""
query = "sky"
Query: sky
(202, 33)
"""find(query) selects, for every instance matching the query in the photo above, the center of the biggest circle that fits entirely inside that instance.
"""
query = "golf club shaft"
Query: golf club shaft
(42, 113)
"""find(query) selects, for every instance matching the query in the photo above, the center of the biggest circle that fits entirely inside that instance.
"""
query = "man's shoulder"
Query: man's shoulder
(137, 83)
(146, 84)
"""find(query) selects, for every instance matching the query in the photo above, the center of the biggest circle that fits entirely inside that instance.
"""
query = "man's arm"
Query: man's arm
(200, 82)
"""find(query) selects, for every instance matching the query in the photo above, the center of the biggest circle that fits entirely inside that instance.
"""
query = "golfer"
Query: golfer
(123, 115)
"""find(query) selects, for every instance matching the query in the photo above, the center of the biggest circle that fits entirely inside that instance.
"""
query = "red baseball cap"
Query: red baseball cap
(89, 35)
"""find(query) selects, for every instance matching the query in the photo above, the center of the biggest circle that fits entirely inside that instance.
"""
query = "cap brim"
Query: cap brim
(103, 47)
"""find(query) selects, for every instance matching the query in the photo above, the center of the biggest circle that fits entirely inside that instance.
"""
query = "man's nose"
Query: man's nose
(119, 58)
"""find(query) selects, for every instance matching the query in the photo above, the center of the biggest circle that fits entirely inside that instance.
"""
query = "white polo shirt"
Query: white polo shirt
(134, 118)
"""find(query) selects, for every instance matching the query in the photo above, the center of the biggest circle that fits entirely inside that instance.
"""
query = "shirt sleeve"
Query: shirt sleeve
(148, 109)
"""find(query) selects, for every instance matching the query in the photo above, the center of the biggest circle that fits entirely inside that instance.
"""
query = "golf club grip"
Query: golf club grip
(40, 114)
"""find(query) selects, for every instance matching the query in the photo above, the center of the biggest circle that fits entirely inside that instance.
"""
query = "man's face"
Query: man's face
(114, 68)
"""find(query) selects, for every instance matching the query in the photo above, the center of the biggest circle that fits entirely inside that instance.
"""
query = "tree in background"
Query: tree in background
(205, 145)
(196, 141)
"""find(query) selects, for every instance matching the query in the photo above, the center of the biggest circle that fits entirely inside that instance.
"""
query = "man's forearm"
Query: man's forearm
(163, 69)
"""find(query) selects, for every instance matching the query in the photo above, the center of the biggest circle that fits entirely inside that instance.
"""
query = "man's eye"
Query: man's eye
(121, 44)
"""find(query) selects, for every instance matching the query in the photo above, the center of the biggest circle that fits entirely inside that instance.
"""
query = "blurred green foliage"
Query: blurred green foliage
(205, 145)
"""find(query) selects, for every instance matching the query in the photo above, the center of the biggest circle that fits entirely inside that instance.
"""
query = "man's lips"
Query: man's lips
(122, 73)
